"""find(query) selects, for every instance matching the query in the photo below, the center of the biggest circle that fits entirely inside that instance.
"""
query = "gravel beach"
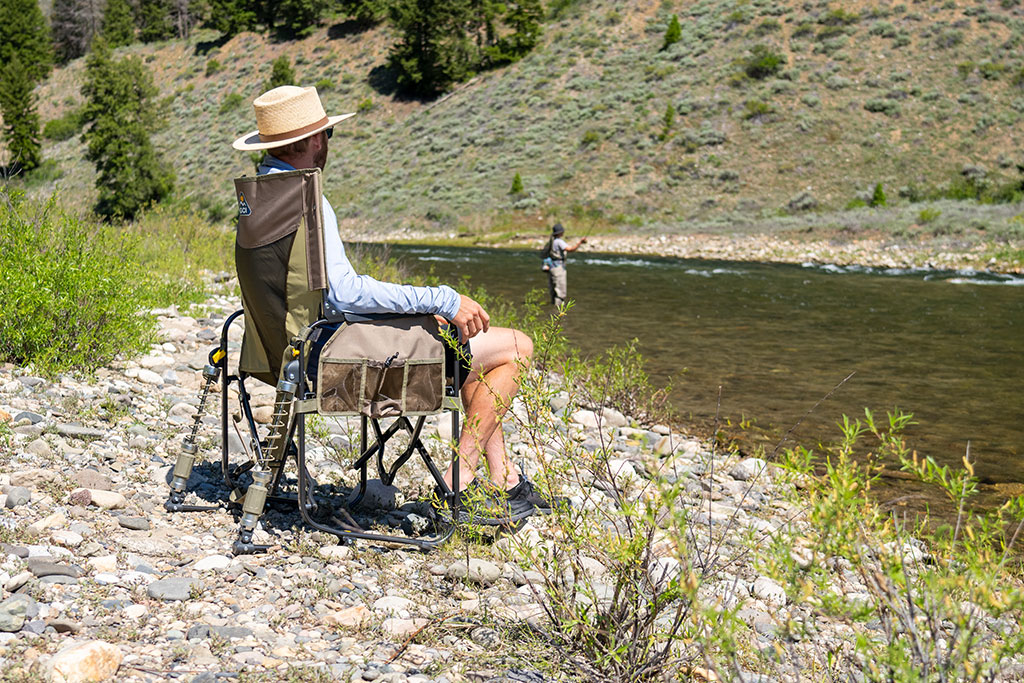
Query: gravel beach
(99, 582)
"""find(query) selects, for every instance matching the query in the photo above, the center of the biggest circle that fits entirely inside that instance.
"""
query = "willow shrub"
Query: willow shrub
(869, 595)
(76, 292)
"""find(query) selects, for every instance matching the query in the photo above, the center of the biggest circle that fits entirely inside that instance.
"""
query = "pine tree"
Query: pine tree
(673, 34)
(669, 120)
(155, 20)
(21, 121)
(517, 184)
(231, 17)
(281, 73)
(433, 50)
(524, 18)
(367, 11)
(300, 17)
(23, 32)
(185, 14)
(878, 196)
(120, 110)
(74, 23)
(118, 24)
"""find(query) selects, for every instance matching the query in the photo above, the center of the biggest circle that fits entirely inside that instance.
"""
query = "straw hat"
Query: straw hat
(284, 115)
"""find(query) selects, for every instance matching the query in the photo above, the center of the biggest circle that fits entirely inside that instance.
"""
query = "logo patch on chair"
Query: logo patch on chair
(243, 206)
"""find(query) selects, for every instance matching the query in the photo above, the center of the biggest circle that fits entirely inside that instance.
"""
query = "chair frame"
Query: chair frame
(270, 463)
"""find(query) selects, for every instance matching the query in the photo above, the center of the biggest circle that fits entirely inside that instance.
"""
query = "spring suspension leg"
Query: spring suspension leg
(270, 466)
(189, 450)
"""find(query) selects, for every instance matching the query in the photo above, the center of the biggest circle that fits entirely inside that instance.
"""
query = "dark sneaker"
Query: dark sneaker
(483, 503)
(525, 492)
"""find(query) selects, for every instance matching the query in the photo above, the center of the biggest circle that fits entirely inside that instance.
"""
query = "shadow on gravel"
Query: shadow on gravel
(206, 486)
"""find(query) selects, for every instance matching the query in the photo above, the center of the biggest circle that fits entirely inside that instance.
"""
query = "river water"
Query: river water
(774, 339)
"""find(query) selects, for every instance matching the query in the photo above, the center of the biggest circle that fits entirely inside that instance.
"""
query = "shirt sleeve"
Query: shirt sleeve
(353, 293)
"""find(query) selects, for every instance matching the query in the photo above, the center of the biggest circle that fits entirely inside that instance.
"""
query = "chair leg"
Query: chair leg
(186, 458)
(252, 510)
(270, 464)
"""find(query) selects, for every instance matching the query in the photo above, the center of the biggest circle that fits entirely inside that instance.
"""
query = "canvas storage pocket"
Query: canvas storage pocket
(383, 368)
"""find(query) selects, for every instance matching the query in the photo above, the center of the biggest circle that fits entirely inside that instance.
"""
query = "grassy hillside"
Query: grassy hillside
(904, 94)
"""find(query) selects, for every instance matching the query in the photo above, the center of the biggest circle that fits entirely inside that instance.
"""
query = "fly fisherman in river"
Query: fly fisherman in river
(554, 263)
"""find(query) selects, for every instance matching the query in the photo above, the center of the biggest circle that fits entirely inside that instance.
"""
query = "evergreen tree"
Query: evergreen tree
(517, 184)
(433, 49)
(368, 11)
(23, 32)
(155, 20)
(524, 19)
(118, 24)
(878, 196)
(673, 34)
(281, 73)
(74, 23)
(300, 17)
(231, 17)
(669, 120)
(21, 121)
(185, 14)
(120, 110)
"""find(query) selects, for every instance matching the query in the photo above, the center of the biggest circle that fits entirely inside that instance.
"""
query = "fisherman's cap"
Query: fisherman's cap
(285, 115)
(557, 229)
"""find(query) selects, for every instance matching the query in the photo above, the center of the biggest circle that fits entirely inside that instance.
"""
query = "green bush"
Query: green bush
(590, 138)
(72, 289)
(762, 62)
(927, 215)
(757, 110)
(212, 67)
(63, 127)
(231, 102)
(281, 73)
(881, 105)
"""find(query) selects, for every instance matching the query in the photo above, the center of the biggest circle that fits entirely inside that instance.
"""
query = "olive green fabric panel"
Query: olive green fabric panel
(316, 258)
(282, 276)
(303, 304)
(262, 277)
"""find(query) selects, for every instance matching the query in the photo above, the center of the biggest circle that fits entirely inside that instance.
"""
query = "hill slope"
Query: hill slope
(906, 95)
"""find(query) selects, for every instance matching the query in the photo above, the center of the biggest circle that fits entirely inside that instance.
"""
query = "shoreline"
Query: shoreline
(868, 251)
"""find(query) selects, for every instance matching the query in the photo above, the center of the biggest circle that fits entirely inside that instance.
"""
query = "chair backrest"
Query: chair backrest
(279, 257)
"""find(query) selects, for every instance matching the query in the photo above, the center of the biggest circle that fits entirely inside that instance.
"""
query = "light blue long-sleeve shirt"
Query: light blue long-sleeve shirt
(350, 292)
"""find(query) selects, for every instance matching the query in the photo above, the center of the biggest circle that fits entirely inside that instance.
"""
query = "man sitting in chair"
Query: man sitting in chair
(295, 131)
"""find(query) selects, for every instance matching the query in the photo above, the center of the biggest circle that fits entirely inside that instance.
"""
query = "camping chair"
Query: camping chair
(374, 367)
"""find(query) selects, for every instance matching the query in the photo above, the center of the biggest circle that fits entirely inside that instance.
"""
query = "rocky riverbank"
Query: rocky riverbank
(99, 582)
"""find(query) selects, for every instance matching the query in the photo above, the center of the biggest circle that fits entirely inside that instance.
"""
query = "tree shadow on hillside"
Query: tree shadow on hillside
(350, 28)
(203, 47)
(383, 79)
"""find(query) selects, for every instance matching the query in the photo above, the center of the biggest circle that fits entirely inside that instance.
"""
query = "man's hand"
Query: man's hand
(471, 319)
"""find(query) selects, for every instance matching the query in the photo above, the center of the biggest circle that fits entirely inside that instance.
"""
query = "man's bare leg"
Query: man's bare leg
(487, 395)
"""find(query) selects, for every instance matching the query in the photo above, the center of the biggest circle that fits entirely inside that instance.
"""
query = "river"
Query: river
(774, 339)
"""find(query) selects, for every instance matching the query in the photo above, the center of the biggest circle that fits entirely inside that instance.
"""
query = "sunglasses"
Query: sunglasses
(330, 132)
